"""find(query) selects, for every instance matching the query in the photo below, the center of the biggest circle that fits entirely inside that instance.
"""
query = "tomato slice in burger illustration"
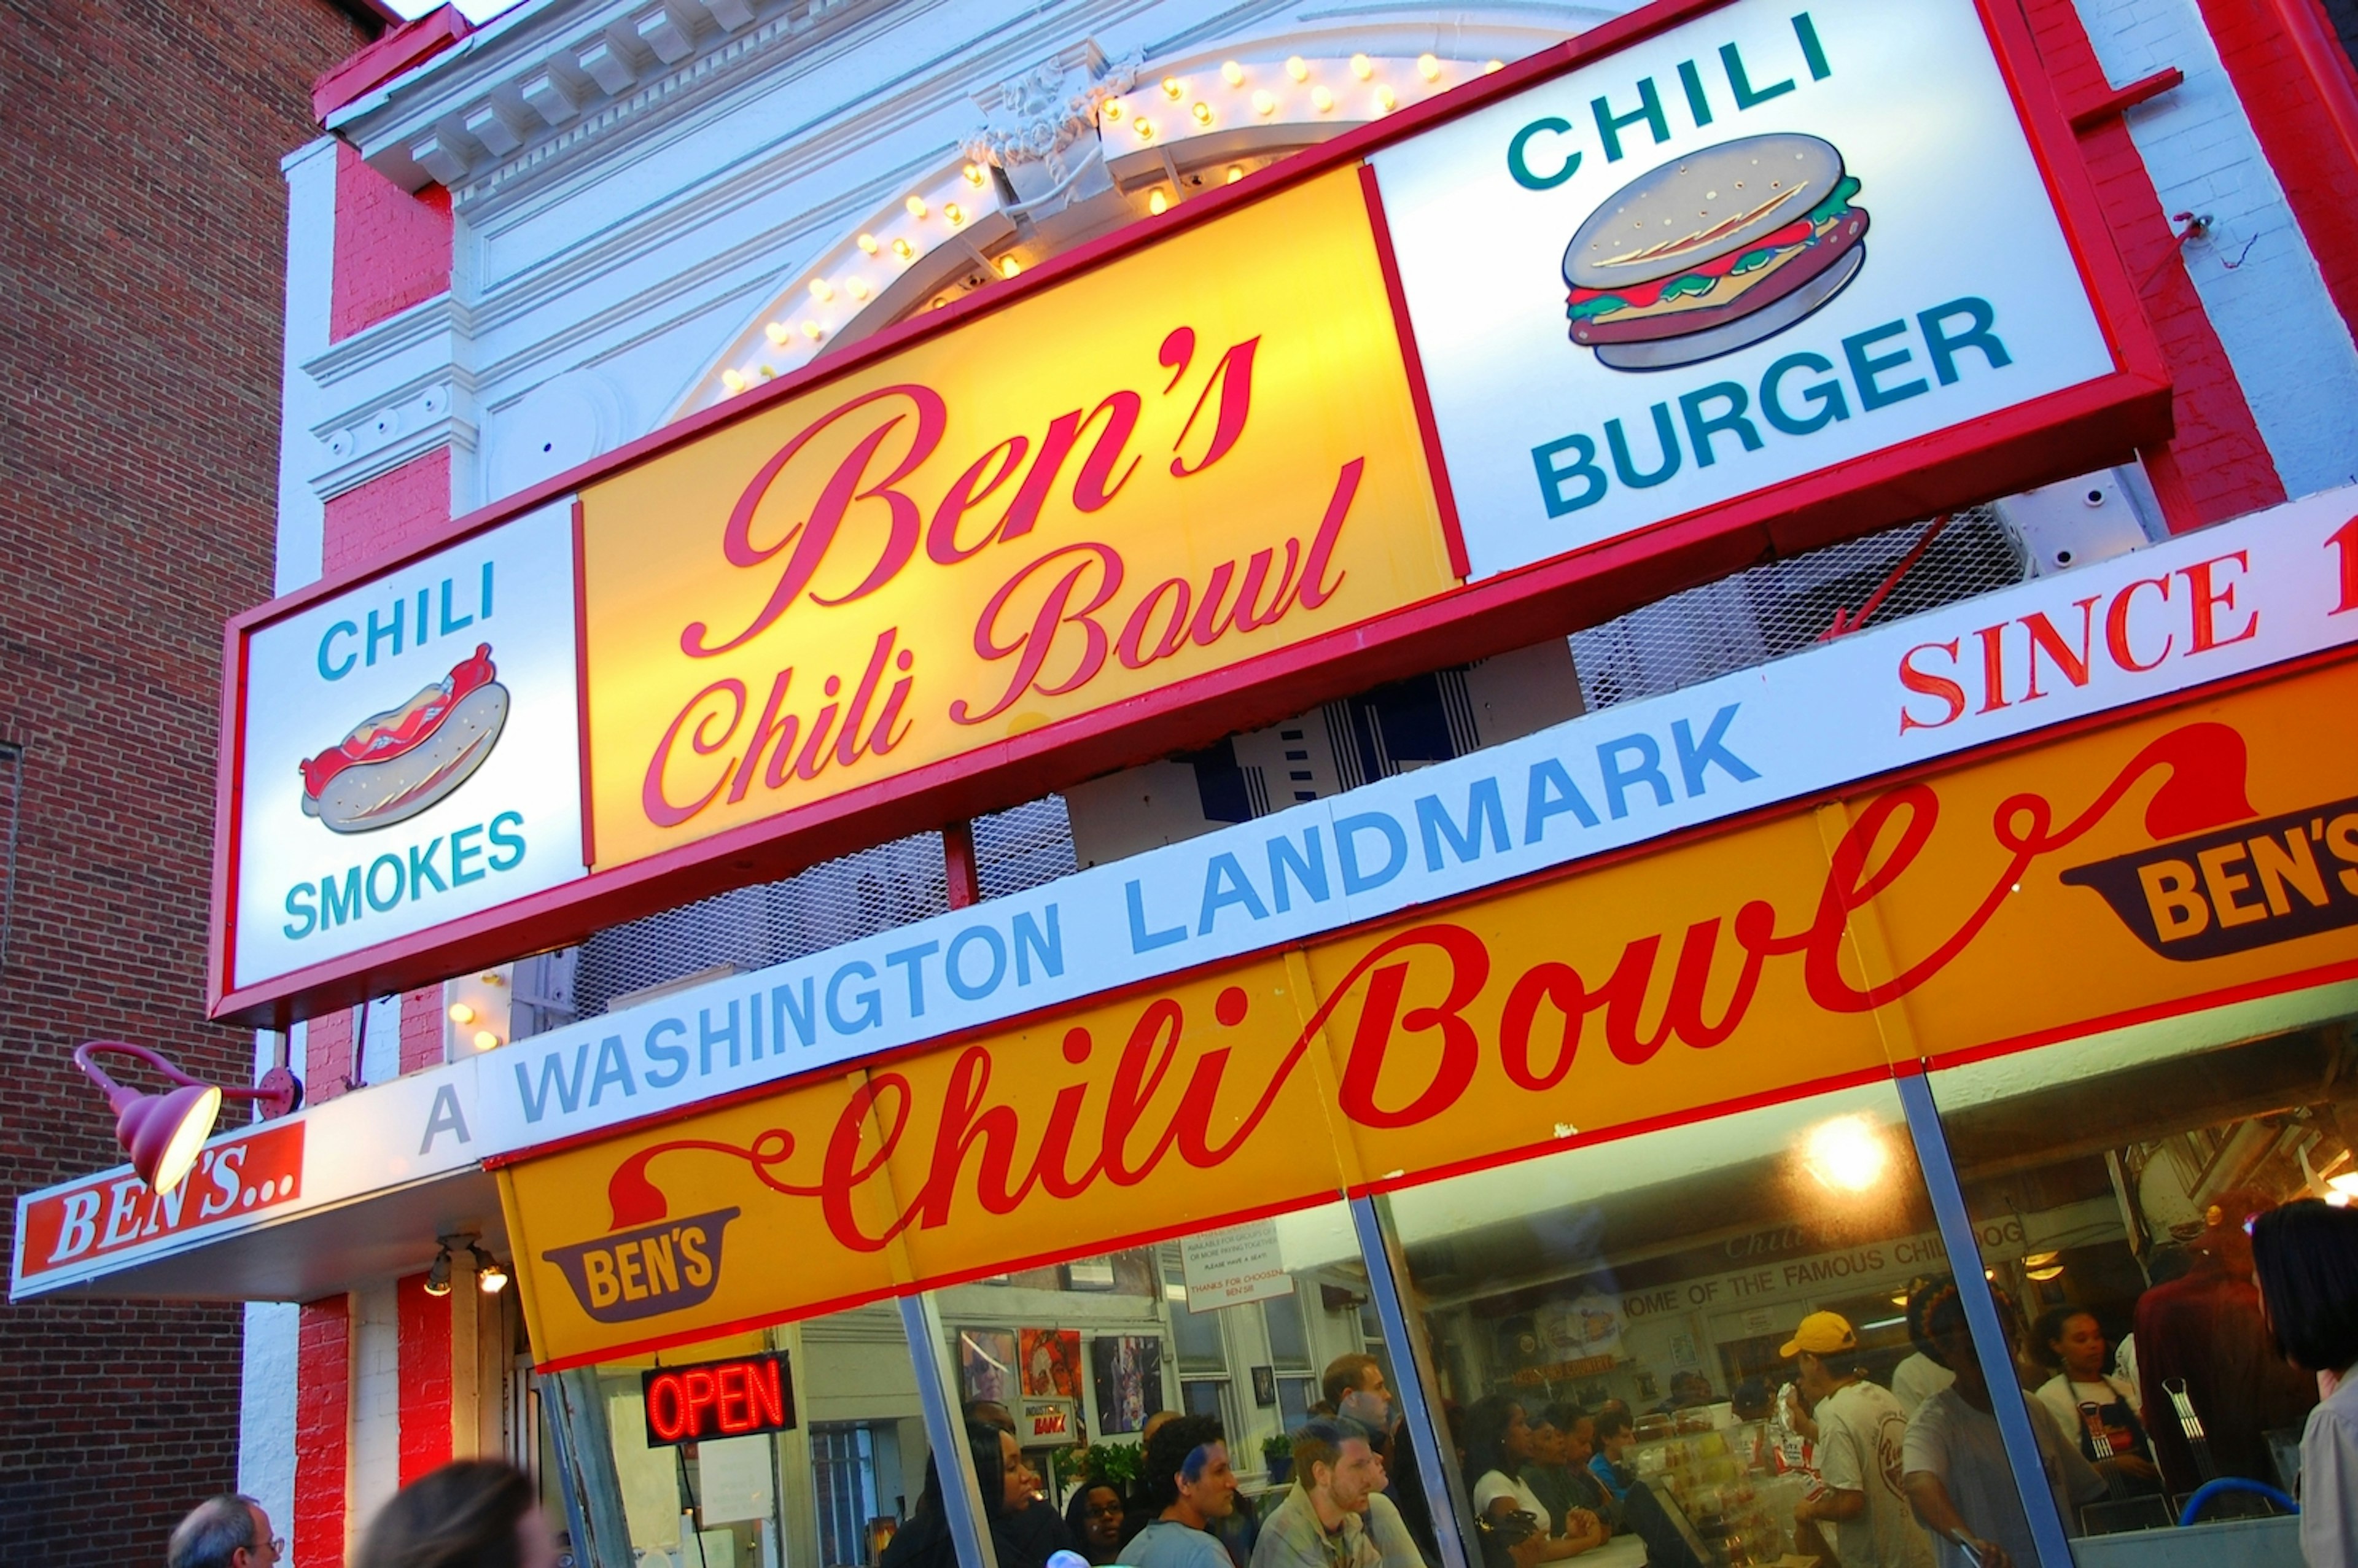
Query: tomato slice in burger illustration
(1713, 251)
(396, 763)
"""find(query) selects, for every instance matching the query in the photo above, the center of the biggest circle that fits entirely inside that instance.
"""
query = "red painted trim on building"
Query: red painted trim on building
(329, 1066)
(1428, 427)
(392, 249)
(423, 1341)
(964, 876)
(371, 524)
(401, 49)
(2120, 100)
(2300, 93)
(323, 1388)
(2215, 465)
(581, 684)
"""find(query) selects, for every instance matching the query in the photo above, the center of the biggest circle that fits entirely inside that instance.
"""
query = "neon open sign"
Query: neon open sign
(718, 1399)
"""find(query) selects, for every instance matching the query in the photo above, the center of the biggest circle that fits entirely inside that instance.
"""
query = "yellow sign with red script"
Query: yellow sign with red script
(1132, 481)
(2160, 865)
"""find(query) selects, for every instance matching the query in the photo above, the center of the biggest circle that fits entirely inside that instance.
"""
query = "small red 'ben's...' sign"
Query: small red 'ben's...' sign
(718, 1399)
(235, 1177)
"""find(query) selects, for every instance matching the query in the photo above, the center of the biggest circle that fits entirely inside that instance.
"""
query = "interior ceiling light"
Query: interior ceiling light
(164, 1133)
(1848, 1154)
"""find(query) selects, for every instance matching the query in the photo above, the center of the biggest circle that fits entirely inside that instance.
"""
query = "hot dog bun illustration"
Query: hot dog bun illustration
(396, 763)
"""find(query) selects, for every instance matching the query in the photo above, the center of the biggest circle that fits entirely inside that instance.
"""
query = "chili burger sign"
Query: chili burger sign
(1733, 292)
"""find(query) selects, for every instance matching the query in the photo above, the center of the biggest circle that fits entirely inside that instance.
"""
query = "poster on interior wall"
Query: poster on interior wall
(987, 1365)
(1052, 1362)
(1128, 1377)
(1739, 252)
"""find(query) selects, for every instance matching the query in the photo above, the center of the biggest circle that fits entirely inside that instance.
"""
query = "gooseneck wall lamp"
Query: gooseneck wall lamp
(163, 1133)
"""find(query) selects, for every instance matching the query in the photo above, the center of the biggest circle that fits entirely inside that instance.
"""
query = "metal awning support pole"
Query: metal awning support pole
(961, 1497)
(1964, 1250)
(1413, 1377)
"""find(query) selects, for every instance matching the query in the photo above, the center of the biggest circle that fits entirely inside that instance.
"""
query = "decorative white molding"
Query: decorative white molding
(1034, 120)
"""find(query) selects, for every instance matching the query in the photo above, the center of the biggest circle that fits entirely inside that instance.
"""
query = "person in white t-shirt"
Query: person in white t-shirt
(1860, 1427)
(1954, 1460)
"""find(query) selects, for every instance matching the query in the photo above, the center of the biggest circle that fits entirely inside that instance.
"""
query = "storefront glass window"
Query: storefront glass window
(1084, 1355)
(2109, 1181)
(707, 1478)
(1608, 1326)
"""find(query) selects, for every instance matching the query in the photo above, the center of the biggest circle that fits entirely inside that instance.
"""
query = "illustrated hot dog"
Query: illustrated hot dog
(396, 763)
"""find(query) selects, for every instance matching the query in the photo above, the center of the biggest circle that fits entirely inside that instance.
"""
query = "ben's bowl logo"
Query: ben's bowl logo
(647, 1272)
(396, 763)
(2224, 879)
(1713, 252)
(649, 1264)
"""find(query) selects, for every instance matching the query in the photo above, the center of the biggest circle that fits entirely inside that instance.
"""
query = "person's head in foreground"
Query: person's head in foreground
(476, 1513)
(227, 1531)
(2305, 1257)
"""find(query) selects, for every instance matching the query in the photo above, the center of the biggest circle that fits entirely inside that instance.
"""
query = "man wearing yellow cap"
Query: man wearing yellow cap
(1860, 1428)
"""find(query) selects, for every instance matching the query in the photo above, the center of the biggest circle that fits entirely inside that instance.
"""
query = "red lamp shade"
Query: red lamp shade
(164, 1133)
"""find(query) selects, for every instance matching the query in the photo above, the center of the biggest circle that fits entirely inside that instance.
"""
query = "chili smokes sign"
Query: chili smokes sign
(1711, 280)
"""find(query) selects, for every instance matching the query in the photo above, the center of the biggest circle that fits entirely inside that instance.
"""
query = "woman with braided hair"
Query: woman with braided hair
(1954, 1461)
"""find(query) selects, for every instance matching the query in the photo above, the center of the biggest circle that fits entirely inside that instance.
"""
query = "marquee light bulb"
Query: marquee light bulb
(1264, 103)
(779, 333)
(973, 173)
(1009, 266)
(1236, 172)
(462, 1014)
(1490, 65)
(1321, 100)
(1232, 73)
(1428, 67)
(811, 330)
(821, 290)
(1362, 67)
(1112, 112)
(1848, 1154)
(1157, 203)
(1174, 89)
(1203, 112)
(1145, 129)
(1386, 101)
(867, 244)
(916, 206)
(904, 250)
(954, 213)
(857, 288)
(733, 380)
(1297, 67)
(485, 1040)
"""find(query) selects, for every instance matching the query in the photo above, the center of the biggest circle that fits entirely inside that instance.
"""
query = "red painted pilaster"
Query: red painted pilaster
(323, 1403)
(425, 1363)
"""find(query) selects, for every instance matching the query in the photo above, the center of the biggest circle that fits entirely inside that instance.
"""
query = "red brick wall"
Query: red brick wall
(138, 445)
(322, 1432)
(392, 249)
(376, 520)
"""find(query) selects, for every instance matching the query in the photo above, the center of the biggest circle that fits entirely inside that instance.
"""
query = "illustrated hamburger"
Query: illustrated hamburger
(396, 763)
(1713, 251)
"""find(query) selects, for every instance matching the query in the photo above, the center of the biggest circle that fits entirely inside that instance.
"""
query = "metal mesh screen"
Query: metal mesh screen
(1022, 847)
(751, 928)
(1786, 606)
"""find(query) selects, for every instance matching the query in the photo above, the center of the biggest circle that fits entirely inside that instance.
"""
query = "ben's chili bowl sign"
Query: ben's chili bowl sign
(1949, 912)
(1145, 475)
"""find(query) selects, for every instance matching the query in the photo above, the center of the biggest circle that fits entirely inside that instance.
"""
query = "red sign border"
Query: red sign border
(2049, 437)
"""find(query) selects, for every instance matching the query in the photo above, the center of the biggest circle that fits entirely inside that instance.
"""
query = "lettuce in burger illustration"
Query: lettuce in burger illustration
(396, 763)
(1713, 252)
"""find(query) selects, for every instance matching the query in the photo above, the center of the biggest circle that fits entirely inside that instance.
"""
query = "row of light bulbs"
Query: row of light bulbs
(955, 214)
(1382, 97)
